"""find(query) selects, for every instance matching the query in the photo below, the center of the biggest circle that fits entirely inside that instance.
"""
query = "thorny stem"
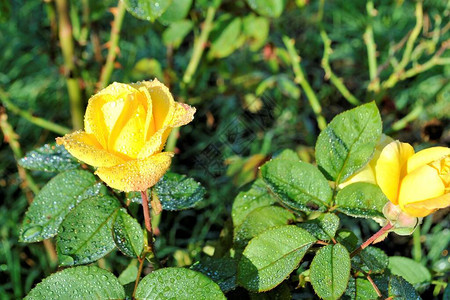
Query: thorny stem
(148, 227)
(373, 238)
(108, 68)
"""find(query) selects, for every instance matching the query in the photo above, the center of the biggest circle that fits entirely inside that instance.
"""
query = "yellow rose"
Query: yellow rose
(126, 128)
(419, 183)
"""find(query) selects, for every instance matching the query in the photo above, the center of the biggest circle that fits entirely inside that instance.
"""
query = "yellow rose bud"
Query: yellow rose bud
(418, 183)
(126, 128)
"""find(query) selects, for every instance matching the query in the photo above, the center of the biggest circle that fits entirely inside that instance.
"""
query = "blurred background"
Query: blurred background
(264, 75)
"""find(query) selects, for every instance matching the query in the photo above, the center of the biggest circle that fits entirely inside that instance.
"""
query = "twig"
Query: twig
(372, 239)
(400, 124)
(66, 40)
(148, 227)
(108, 68)
(199, 45)
(371, 48)
(138, 277)
(301, 79)
(29, 117)
(375, 287)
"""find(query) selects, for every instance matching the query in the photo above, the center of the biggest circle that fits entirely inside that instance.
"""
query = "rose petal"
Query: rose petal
(85, 147)
(426, 207)
(136, 175)
(389, 168)
(426, 156)
(365, 175)
(420, 185)
(183, 115)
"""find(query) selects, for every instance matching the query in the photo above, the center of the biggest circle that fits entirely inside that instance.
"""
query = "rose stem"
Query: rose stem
(372, 239)
(148, 226)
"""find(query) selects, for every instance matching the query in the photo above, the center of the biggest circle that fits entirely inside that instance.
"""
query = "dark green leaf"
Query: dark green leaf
(147, 9)
(323, 227)
(221, 270)
(177, 11)
(281, 292)
(330, 271)
(361, 199)
(399, 288)
(177, 192)
(260, 220)
(177, 283)
(85, 235)
(412, 271)
(49, 158)
(371, 260)
(225, 37)
(127, 234)
(299, 185)
(348, 142)
(359, 289)
(176, 32)
(53, 203)
(78, 283)
(268, 8)
(257, 195)
(266, 261)
(347, 238)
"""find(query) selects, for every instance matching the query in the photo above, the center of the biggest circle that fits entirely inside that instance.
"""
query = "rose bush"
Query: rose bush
(419, 183)
(126, 128)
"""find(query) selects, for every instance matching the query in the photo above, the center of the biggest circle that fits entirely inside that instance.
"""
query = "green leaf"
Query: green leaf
(49, 158)
(225, 37)
(260, 220)
(177, 283)
(127, 234)
(129, 274)
(268, 8)
(256, 30)
(330, 271)
(221, 270)
(299, 185)
(412, 271)
(371, 260)
(323, 228)
(246, 201)
(177, 11)
(147, 9)
(271, 256)
(53, 203)
(361, 200)
(177, 31)
(359, 289)
(177, 192)
(348, 142)
(399, 288)
(85, 235)
(348, 239)
(78, 283)
(287, 154)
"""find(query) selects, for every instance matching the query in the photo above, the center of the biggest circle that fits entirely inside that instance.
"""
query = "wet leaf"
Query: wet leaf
(362, 200)
(78, 283)
(257, 195)
(347, 238)
(323, 228)
(147, 9)
(299, 185)
(359, 289)
(330, 271)
(177, 283)
(260, 220)
(371, 260)
(348, 142)
(177, 11)
(54, 202)
(85, 235)
(178, 192)
(221, 270)
(127, 234)
(49, 158)
(266, 261)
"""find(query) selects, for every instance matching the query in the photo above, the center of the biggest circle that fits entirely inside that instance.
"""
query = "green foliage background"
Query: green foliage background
(250, 104)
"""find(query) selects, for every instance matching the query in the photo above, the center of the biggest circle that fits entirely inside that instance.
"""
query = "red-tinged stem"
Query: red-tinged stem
(372, 239)
(375, 287)
(148, 226)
